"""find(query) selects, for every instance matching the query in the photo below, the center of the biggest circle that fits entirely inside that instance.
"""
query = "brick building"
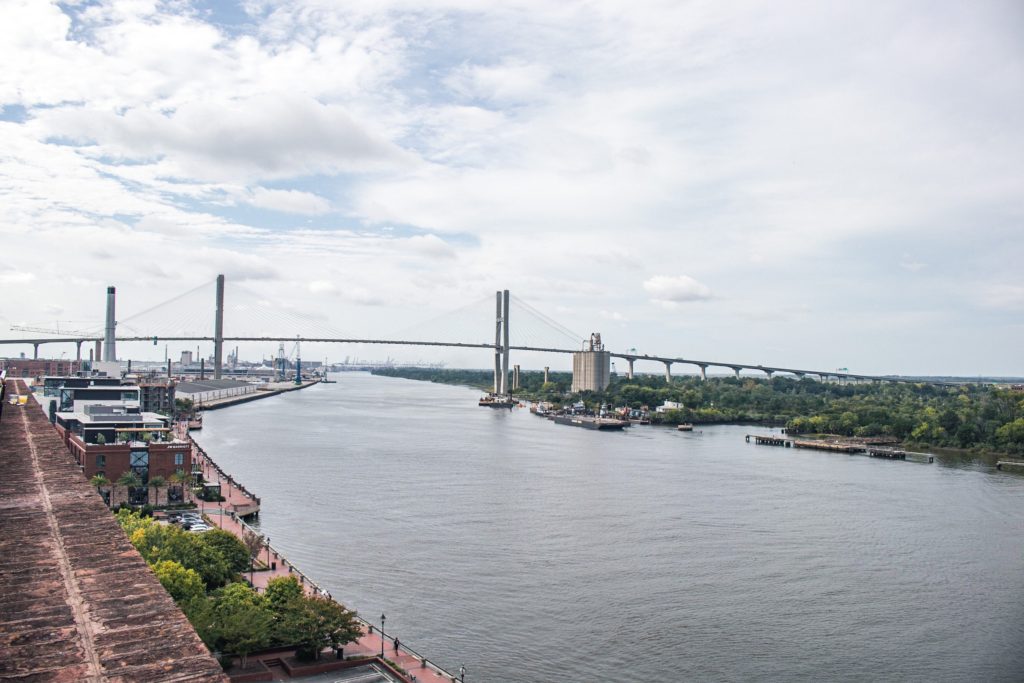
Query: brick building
(39, 367)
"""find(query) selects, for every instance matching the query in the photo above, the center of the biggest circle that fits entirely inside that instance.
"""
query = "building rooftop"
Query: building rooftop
(77, 601)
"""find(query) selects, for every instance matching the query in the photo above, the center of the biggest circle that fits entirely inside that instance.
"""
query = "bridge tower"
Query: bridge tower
(218, 331)
(501, 386)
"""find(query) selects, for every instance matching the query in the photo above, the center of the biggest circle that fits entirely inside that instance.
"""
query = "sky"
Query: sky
(800, 184)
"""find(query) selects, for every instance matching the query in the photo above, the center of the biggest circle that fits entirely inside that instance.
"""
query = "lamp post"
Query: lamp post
(382, 635)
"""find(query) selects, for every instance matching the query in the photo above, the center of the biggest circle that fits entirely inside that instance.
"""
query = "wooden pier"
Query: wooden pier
(833, 446)
(1009, 463)
(850, 448)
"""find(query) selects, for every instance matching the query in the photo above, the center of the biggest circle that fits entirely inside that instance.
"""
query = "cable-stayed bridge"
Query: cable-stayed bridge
(250, 317)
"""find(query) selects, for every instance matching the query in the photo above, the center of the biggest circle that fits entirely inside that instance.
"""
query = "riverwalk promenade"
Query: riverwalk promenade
(228, 514)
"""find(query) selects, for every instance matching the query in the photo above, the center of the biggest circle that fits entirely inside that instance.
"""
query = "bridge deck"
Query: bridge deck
(77, 602)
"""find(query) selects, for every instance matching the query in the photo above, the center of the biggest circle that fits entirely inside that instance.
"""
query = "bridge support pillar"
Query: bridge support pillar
(497, 343)
(823, 377)
(737, 371)
(546, 380)
(629, 374)
(218, 331)
(769, 373)
(668, 371)
(703, 372)
(35, 352)
(504, 343)
(78, 351)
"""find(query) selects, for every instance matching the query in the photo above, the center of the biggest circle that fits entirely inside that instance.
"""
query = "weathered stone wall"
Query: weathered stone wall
(77, 602)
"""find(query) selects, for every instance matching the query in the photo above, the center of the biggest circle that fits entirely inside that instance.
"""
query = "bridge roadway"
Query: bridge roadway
(631, 358)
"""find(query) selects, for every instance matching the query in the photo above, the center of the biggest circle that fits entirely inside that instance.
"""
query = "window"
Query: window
(179, 458)
(101, 462)
(140, 458)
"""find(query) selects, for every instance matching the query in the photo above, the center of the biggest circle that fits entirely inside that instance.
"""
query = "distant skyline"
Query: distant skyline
(794, 184)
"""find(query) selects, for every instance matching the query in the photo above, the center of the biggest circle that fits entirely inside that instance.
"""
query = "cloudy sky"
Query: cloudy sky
(811, 184)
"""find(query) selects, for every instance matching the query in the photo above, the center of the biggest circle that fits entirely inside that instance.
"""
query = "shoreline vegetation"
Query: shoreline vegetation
(981, 419)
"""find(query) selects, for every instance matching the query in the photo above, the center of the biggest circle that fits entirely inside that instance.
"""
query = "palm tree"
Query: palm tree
(129, 480)
(176, 479)
(99, 481)
(157, 483)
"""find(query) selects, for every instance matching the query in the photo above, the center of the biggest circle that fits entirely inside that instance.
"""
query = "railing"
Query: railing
(222, 473)
(370, 628)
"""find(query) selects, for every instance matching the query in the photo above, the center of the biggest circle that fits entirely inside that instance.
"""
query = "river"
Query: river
(531, 551)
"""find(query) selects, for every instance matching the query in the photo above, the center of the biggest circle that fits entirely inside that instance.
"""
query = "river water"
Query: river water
(531, 551)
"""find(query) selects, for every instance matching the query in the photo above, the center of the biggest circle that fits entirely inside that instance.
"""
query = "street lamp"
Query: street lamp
(382, 635)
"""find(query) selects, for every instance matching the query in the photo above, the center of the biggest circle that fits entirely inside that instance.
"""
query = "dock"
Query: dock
(1009, 463)
(848, 447)
(768, 440)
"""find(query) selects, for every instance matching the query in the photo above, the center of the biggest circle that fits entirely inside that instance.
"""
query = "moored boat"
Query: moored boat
(493, 401)
(195, 422)
(685, 427)
(589, 422)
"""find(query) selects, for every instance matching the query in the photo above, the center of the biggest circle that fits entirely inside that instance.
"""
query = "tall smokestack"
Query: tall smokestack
(109, 348)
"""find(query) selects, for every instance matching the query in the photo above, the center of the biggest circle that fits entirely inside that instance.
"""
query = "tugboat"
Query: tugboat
(195, 422)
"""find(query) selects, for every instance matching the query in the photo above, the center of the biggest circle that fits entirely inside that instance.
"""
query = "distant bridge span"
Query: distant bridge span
(631, 358)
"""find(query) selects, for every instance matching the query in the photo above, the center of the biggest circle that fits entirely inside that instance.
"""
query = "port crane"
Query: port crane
(281, 362)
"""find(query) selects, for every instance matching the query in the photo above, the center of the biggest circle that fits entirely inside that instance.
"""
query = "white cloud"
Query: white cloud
(562, 148)
(322, 287)
(17, 277)
(1003, 297)
(670, 290)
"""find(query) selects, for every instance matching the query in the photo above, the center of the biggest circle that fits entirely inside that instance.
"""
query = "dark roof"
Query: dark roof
(77, 601)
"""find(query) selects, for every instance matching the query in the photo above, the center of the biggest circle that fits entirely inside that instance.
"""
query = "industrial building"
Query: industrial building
(591, 369)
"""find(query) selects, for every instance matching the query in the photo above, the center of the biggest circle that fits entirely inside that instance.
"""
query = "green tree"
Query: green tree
(234, 552)
(1011, 436)
(253, 544)
(281, 591)
(157, 483)
(242, 621)
(183, 584)
(129, 480)
(315, 623)
(100, 482)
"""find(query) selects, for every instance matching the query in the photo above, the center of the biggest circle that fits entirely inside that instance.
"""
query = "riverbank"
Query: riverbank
(272, 389)
(404, 663)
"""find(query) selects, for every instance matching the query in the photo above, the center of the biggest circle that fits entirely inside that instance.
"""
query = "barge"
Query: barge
(588, 422)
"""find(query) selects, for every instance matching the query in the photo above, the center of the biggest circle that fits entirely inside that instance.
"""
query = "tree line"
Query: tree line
(203, 573)
(961, 416)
